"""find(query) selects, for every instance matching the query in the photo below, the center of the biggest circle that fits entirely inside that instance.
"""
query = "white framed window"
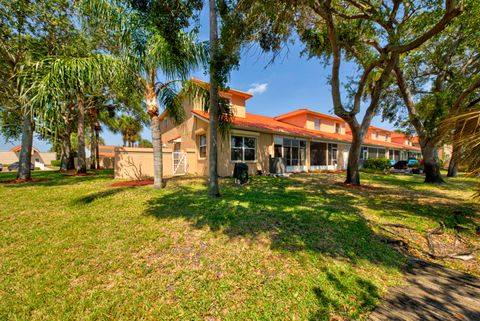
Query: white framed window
(338, 128)
(202, 146)
(317, 123)
(243, 149)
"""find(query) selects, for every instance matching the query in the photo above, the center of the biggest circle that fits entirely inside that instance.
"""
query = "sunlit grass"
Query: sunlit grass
(275, 249)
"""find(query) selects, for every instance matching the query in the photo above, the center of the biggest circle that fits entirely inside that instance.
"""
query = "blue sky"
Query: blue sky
(291, 82)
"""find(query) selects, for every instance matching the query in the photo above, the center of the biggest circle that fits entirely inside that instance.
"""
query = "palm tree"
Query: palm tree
(129, 127)
(156, 64)
(72, 79)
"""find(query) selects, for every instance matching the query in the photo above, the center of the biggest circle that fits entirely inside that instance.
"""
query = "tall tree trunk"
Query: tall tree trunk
(353, 174)
(431, 166)
(97, 149)
(213, 187)
(82, 159)
(25, 159)
(153, 112)
(93, 144)
(455, 158)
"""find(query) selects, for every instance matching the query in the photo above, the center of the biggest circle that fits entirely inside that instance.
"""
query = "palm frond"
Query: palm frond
(468, 136)
(176, 62)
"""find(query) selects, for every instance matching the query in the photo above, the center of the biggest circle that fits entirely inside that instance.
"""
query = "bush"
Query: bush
(375, 171)
(441, 163)
(377, 164)
(56, 162)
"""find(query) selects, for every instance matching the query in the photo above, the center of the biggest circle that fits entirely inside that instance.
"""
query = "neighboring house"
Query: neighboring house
(305, 139)
(106, 156)
(39, 159)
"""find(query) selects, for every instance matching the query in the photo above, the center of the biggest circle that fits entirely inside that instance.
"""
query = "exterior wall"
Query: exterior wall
(46, 158)
(9, 157)
(238, 106)
(326, 124)
(381, 136)
(264, 150)
(134, 162)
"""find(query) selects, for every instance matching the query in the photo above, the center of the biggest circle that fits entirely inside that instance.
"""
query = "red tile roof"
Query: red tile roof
(230, 91)
(307, 111)
(273, 125)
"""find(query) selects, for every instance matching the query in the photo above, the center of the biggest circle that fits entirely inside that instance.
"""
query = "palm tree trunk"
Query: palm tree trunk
(157, 154)
(97, 149)
(82, 160)
(213, 187)
(25, 159)
(153, 111)
(93, 144)
(67, 160)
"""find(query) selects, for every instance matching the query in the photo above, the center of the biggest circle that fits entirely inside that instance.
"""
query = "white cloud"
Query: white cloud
(257, 88)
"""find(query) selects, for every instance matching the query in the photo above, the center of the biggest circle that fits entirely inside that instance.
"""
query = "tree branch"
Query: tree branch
(451, 11)
(407, 98)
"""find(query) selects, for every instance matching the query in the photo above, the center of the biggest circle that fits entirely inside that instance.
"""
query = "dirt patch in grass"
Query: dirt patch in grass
(361, 187)
(144, 182)
(17, 181)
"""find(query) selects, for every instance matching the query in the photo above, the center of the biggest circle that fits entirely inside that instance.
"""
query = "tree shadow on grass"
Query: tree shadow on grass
(363, 296)
(295, 217)
(315, 218)
(89, 198)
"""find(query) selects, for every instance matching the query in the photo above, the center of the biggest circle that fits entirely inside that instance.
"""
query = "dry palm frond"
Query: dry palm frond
(468, 124)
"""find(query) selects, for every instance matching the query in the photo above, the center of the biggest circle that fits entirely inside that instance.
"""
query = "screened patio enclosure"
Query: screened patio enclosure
(323, 156)
(293, 151)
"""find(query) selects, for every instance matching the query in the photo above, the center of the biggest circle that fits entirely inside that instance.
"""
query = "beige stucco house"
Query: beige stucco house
(39, 159)
(306, 139)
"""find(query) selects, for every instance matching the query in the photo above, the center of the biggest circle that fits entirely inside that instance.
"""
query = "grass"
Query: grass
(74, 248)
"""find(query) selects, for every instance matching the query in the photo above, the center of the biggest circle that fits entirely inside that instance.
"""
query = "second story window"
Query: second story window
(376, 135)
(202, 146)
(338, 129)
(387, 137)
(317, 124)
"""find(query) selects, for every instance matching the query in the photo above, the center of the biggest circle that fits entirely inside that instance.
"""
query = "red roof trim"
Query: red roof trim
(272, 125)
(18, 147)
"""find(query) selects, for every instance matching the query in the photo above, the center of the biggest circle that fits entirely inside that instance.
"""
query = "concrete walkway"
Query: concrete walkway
(433, 293)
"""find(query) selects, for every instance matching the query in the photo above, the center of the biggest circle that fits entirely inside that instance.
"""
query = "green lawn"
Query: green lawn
(74, 248)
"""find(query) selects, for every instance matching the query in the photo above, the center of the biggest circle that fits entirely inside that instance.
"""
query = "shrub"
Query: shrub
(56, 162)
(378, 164)
(375, 171)
(441, 163)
